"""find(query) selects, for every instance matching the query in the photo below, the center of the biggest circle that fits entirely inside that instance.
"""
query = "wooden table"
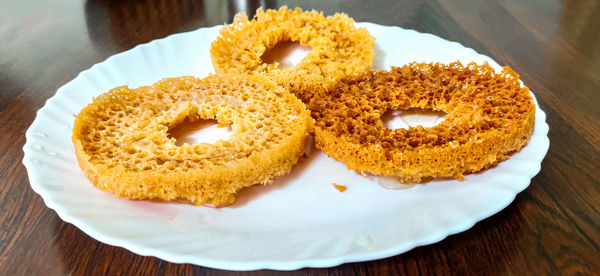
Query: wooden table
(550, 228)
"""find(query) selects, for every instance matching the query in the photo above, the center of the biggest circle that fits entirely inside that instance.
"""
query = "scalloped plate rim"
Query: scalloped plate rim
(255, 265)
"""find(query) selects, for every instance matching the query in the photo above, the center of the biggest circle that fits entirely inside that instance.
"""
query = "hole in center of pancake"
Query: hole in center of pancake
(287, 53)
(199, 131)
(394, 119)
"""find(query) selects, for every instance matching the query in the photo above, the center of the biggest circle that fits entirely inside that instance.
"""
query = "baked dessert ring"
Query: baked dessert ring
(489, 115)
(339, 49)
(122, 142)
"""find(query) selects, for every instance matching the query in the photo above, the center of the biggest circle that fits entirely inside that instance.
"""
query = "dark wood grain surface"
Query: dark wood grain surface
(552, 227)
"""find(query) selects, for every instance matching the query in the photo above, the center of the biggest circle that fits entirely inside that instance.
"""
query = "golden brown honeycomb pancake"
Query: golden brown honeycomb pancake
(122, 142)
(339, 49)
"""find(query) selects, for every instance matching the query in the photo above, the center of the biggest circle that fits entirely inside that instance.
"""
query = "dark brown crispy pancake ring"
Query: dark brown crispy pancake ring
(489, 115)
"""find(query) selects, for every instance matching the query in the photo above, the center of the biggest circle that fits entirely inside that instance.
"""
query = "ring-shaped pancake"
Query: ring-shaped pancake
(339, 49)
(489, 115)
(122, 141)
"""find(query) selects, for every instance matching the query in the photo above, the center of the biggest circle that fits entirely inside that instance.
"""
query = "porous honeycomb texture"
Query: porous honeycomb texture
(339, 49)
(122, 142)
(489, 115)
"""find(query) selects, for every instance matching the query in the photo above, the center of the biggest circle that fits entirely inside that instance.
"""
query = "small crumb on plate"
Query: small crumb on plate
(340, 188)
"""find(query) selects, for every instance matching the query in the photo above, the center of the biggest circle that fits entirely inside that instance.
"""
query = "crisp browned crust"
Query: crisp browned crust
(122, 143)
(339, 49)
(489, 115)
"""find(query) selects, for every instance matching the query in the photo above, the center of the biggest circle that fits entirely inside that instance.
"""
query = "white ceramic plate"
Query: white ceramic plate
(300, 220)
